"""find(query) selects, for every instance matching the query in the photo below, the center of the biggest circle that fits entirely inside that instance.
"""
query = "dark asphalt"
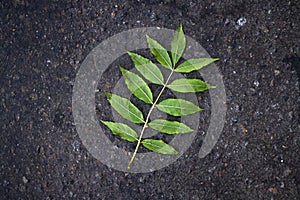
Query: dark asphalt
(43, 44)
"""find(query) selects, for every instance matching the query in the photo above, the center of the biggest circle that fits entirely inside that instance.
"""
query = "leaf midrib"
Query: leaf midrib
(159, 80)
(140, 88)
(178, 107)
(121, 131)
(142, 120)
(179, 127)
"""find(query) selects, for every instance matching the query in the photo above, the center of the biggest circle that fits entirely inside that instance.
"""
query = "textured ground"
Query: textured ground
(43, 44)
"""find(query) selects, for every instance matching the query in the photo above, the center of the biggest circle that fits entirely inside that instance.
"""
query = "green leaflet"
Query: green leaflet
(178, 45)
(137, 86)
(159, 146)
(169, 127)
(159, 52)
(122, 130)
(189, 85)
(125, 108)
(194, 64)
(148, 69)
(178, 107)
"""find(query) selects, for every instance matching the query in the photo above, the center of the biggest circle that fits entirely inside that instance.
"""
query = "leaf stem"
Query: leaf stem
(147, 119)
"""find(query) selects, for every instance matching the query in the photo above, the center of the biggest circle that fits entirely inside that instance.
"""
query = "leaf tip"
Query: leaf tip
(103, 122)
(123, 70)
(174, 152)
(180, 26)
(199, 109)
(131, 54)
(108, 95)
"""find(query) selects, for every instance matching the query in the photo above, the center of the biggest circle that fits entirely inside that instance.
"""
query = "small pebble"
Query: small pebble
(227, 21)
(291, 115)
(273, 190)
(25, 180)
(76, 146)
(241, 22)
(234, 119)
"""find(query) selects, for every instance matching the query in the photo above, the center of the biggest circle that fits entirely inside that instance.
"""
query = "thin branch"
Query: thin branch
(147, 119)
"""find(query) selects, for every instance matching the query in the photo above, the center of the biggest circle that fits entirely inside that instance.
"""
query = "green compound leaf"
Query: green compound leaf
(125, 108)
(159, 52)
(178, 107)
(169, 127)
(148, 69)
(185, 85)
(194, 64)
(159, 146)
(178, 45)
(122, 130)
(137, 86)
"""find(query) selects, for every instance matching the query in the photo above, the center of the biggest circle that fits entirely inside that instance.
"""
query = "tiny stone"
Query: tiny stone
(275, 106)
(227, 21)
(5, 183)
(256, 83)
(25, 180)
(257, 114)
(113, 14)
(277, 72)
(252, 91)
(237, 107)
(273, 190)
(33, 96)
(290, 114)
(287, 172)
(76, 146)
(241, 21)
(280, 117)
(234, 119)
(153, 16)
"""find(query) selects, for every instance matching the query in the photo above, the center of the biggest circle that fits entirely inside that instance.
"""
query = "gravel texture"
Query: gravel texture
(43, 44)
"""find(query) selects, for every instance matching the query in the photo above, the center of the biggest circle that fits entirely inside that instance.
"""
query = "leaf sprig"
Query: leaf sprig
(140, 89)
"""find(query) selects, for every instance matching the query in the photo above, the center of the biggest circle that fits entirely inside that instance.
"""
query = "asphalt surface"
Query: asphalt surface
(43, 44)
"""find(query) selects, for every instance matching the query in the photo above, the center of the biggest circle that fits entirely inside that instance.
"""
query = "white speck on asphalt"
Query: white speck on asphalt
(240, 22)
